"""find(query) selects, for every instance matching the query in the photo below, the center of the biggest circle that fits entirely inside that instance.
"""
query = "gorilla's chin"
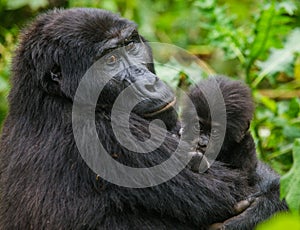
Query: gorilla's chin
(166, 113)
(168, 116)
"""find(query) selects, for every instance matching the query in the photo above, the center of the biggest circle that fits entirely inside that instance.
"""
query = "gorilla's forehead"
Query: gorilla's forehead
(89, 24)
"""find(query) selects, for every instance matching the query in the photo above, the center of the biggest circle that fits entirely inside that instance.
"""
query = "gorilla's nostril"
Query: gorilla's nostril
(203, 142)
(138, 71)
(150, 88)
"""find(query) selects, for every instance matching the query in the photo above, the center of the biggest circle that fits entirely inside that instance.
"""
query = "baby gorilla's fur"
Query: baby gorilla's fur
(238, 148)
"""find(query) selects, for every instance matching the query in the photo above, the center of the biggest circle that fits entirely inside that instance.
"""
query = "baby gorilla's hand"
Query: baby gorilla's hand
(198, 162)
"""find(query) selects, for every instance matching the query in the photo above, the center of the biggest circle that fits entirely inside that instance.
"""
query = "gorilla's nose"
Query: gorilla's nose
(155, 86)
(203, 141)
(151, 84)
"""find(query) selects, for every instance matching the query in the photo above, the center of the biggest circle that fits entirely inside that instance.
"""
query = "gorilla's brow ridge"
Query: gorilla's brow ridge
(130, 34)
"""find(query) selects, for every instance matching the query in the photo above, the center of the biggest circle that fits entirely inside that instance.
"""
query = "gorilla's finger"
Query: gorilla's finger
(217, 226)
(198, 162)
(242, 206)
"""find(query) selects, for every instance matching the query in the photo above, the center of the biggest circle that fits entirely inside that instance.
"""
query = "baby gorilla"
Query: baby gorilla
(237, 149)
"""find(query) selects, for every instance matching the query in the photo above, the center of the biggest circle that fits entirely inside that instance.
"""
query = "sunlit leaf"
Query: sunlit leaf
(269, 103)
(289, 7)
(280, 58)
(4, 86)
(297, 68)
(281, 221)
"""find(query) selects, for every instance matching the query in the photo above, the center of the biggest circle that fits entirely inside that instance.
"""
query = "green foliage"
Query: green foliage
(251, 41)
(290, 182)
(280, 59)
(221, 30)
(276, 125)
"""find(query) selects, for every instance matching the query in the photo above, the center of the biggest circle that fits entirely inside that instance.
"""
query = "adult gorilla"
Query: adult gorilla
(45, 183)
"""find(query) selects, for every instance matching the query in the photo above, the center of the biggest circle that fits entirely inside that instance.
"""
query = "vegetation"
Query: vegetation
(256, 41)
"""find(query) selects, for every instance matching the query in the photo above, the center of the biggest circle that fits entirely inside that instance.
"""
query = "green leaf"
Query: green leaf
(291, 131)
(289, 7)
(168, 73)
(294, 108)
(262, 30)
(269, 103)
(280, 58)
(281, 221)
(290, 182)
(4, 86)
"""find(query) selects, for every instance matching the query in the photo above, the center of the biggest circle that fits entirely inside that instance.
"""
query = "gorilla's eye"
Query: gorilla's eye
(214, 131)
(111, 60)
(131, 47)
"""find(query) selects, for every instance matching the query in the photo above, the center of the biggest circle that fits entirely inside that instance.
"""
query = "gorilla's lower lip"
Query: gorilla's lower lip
(166, 107)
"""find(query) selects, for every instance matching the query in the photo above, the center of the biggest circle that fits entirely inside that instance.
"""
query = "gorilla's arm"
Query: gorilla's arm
(188, 198)
(73, 197)
(196, 199)
(264, 203)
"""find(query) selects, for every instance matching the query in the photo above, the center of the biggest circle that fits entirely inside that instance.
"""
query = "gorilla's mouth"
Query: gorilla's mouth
(161, 109)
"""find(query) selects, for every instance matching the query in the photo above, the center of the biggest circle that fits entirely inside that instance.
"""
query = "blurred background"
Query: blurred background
(255, 41)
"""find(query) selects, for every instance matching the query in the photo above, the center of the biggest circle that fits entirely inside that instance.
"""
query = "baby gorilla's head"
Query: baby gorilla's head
(239, 111)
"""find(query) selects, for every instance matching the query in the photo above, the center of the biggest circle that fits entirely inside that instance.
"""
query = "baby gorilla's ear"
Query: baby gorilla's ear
(240, 134)
(248, 126)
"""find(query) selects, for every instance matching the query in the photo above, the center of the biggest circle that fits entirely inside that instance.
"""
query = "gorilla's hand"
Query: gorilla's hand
(262, 205)
(243, 211)
(198, 162)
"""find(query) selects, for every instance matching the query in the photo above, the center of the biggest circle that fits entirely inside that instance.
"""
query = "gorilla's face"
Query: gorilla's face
(128, 60)
(239, 111)
(66, 46)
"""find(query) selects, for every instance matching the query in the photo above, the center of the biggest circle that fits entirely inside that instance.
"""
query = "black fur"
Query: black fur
(238, 148)
(44, 182)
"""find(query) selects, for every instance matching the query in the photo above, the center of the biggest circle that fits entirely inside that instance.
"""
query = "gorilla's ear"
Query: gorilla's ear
(52, 81)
